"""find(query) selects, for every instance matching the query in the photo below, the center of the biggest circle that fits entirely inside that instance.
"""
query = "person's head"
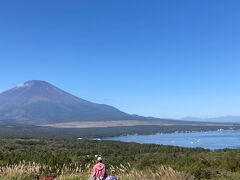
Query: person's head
(99, 159)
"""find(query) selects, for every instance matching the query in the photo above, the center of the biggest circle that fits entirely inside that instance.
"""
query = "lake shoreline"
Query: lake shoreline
(220, 139)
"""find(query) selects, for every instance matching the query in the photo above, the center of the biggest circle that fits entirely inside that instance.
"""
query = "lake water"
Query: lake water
(211, 140)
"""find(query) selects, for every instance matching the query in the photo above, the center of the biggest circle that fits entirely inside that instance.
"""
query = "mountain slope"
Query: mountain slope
(39, 102)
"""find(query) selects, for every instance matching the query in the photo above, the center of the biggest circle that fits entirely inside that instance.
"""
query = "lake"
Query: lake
(211, 140)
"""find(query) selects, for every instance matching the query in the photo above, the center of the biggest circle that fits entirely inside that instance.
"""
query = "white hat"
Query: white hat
(99, 158)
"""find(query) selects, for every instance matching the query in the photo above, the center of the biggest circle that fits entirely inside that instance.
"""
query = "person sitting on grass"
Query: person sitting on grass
(99, 170)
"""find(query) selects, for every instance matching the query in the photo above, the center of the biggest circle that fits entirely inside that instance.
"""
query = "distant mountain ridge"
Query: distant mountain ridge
(222, 119)
(39, 102)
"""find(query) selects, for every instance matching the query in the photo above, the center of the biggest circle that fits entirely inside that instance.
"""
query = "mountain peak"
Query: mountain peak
(36, 82)
(33, 83)
(38, 102)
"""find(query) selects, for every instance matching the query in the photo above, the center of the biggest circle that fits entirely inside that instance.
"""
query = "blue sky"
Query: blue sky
(165, 58)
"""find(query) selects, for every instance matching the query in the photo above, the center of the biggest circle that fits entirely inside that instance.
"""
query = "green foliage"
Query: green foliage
(57, 153)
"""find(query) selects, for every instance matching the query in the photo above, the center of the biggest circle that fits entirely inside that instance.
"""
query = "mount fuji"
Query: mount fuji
(39, 102)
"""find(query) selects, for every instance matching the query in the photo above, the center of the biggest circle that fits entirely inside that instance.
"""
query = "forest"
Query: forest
(68, 155)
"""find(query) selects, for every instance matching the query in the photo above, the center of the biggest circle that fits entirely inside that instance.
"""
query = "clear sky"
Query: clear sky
(167, 58)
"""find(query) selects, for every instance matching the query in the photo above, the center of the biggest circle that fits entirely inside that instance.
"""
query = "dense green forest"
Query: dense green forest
(57, 154)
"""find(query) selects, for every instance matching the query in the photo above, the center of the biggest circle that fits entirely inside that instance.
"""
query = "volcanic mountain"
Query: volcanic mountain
(39, 102)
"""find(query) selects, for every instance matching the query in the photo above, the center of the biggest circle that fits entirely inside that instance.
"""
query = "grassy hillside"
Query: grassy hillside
(27, 171)
(73, 159)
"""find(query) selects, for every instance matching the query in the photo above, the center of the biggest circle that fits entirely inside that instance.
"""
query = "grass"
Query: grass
(27, 171)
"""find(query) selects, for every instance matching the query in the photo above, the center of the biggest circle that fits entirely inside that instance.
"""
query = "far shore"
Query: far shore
(95, 124)
(121, 123)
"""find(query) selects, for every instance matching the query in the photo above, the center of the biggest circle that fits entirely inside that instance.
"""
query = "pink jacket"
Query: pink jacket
(99, 170)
